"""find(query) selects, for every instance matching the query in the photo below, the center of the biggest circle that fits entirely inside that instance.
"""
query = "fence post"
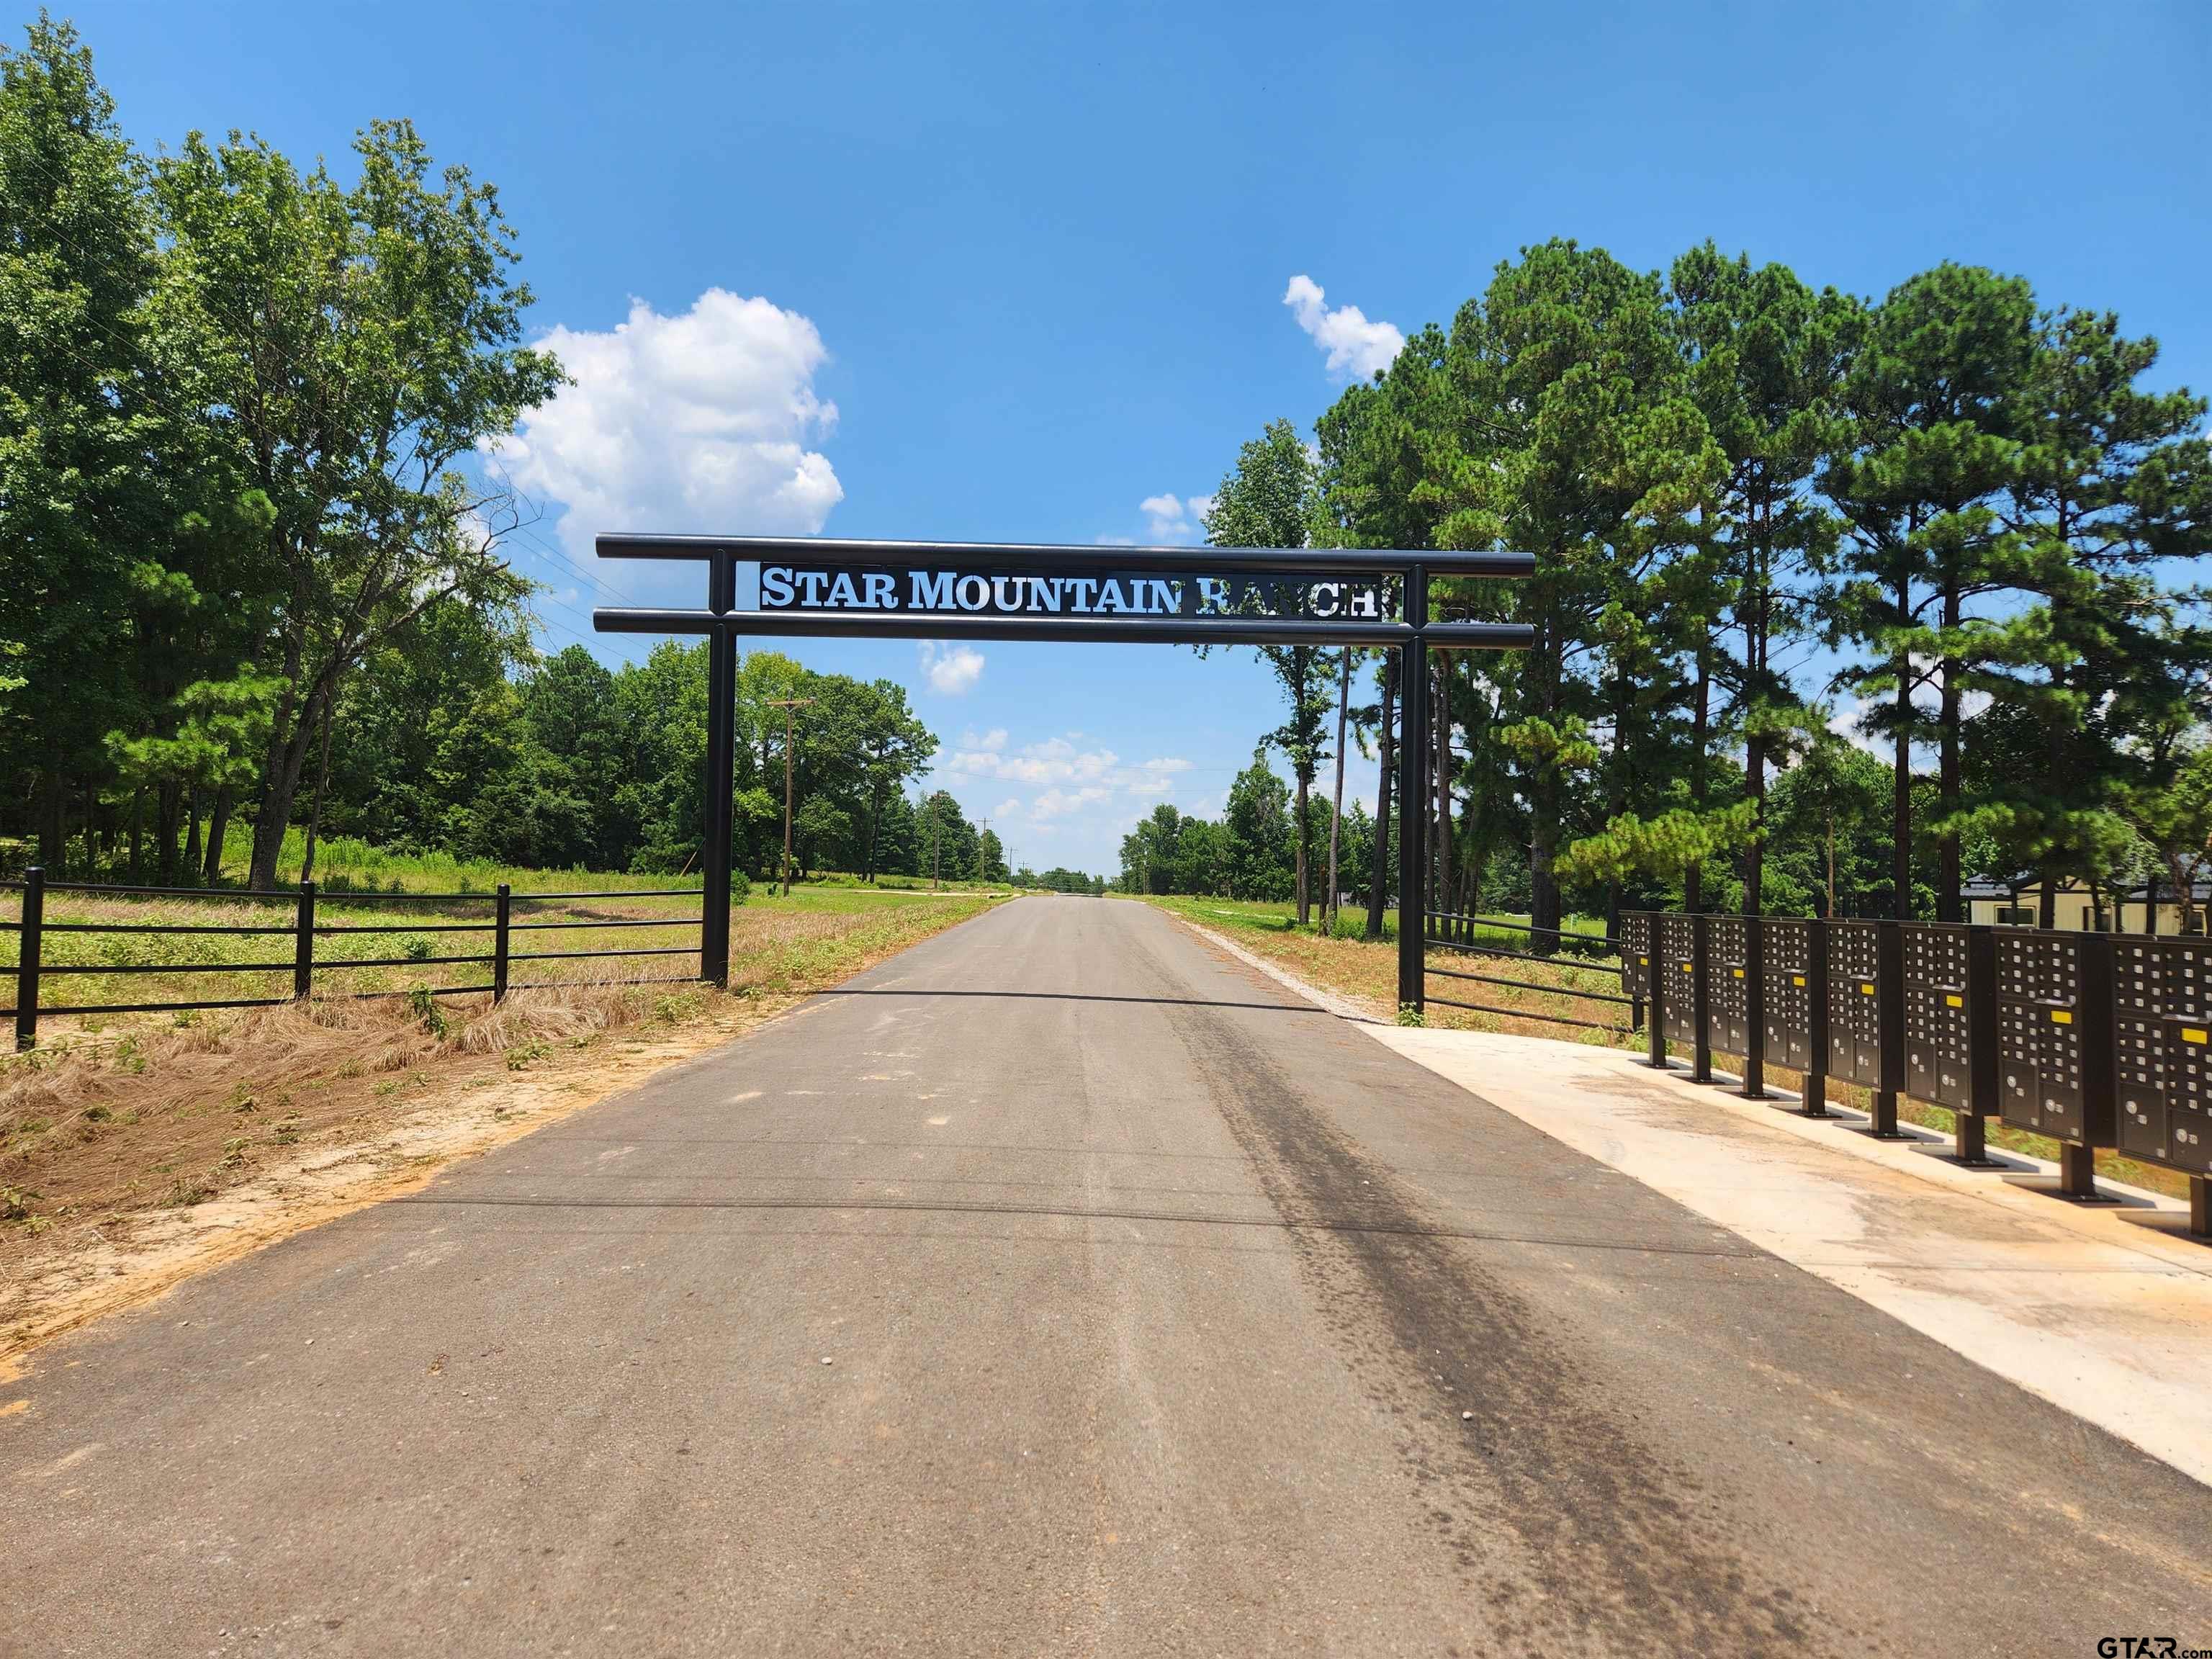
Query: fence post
(303, 945)
(1816, 1018)
(499, 944)
(26, 960)
(1754, 1011)
(1701, 1004)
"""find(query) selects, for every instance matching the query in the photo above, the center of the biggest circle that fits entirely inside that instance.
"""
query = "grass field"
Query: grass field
(1368, 974)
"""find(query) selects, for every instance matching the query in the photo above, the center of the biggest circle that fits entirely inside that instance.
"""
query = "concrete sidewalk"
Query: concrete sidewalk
(2104, 1310)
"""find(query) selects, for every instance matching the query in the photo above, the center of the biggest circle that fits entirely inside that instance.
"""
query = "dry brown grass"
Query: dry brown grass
(177, 1116)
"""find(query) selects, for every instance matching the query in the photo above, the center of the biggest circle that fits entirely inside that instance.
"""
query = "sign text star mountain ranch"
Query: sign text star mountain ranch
(1006, 594)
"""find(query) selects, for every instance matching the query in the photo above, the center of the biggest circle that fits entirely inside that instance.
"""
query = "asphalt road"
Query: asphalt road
(1058, 1287)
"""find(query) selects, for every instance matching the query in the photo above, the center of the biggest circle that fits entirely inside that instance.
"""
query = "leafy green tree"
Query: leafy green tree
(1261, 856)
(1767, 357)
(350, 346)
(1917, 476)
(2112, 486)
(76, 504)
(1271, 499)
(1570, 433)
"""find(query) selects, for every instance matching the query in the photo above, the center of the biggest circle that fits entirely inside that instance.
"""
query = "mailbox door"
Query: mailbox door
(1636, 955)
(1673, 958)
(1728, 1026)
(1788, 1015)
(1853, 1010)
(2019, 1089)
(2185, 981)
(2140, 1038)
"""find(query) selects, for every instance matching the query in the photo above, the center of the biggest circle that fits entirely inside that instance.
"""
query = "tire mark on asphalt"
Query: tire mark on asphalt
(1613, 1549)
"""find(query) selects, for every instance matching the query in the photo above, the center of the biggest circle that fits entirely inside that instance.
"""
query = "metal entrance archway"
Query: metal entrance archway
(991, 590)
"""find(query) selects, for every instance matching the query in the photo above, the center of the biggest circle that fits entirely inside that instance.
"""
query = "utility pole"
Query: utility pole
(788, 704)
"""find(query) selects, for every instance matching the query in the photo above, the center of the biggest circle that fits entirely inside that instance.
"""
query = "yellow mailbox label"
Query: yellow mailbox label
(2060, 1017)
(1688, 967)
(1866, 990)
(1796, 979)
(1646, 961)
(1738, 972)
(1954, 1002)
(2193, 1034)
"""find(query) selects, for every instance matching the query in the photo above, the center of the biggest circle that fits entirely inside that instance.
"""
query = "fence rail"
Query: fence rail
(31, 928)
(1452, 930)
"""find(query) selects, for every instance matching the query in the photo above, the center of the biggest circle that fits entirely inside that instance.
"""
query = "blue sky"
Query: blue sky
(1010, 272)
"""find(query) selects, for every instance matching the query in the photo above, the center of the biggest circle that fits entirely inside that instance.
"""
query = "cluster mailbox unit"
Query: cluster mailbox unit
(2093, 1039)
(2162, 1043)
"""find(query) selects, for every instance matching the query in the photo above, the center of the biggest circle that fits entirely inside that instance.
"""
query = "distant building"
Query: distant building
(2080, 907)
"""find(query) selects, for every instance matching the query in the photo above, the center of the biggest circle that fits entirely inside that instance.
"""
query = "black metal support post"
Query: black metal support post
(1889, 1015)
(26, 960)
(501, 903)
(1969, 1138)
(303, 945)
(1701, 1004)
(1754, 1011)
(1655, 970)
(2200, 1207)
(1413, 796)
(2077, 1170)
(1815, 1095)
(721, 764)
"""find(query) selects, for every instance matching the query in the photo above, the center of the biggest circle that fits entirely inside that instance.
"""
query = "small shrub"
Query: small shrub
(1409, 1015)
(519, 1056)
(424, 1006)
(417, 948)
(187, 1192)
(16, 1203)
(287, 1132)
(674, 1009)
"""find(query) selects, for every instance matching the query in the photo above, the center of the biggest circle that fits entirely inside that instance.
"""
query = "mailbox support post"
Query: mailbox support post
(2200, 1207)
(1754, 1011)
(1654, 973)
(1701, 1004)
(2077, 1165)
(1889, 1017)
(1816, 1018)
(1968, 1137)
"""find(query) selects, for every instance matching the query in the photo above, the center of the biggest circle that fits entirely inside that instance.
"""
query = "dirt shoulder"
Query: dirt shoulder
(125, 1171)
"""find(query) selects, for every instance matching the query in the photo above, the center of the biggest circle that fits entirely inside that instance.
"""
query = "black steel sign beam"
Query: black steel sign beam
(818, 588)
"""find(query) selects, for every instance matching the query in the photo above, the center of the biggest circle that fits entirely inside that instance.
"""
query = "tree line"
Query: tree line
(1956, 519)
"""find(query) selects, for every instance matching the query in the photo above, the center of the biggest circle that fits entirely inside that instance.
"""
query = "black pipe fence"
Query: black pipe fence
(1448, 930)
(33, 970)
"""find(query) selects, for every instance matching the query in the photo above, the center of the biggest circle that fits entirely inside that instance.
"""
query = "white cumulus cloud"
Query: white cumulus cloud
(700, 421)
(951, 669)
(1172, 518)
(1355, 346)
